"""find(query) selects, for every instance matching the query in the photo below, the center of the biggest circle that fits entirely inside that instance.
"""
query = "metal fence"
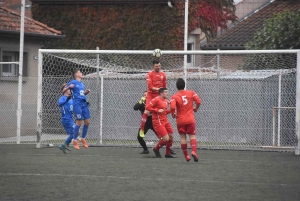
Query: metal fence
(236, 111)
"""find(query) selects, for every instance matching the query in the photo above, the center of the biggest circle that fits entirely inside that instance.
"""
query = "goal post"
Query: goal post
(239, 90)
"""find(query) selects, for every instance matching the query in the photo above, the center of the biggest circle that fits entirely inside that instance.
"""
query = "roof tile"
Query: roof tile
(10, 21)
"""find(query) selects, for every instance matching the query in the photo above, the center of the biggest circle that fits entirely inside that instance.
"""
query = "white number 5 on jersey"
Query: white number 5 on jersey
(185, 101)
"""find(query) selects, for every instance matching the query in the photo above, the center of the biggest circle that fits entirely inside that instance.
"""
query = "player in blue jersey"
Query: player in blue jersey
(80, 107)
(66, 109)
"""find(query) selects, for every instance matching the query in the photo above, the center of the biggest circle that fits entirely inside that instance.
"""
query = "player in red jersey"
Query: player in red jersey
(156, 79)
(159, 108)
(182, 107)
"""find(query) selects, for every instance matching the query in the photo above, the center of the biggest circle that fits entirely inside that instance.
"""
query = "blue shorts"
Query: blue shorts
(81, 111)
(68, 125)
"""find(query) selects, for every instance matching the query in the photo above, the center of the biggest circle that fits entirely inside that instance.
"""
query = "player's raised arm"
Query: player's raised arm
(63, 100)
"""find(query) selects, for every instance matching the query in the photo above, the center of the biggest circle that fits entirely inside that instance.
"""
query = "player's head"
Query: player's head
(156, 65)
(180, 84)
(77, 74)
(67, 92)
(163, 92)
(145, 94)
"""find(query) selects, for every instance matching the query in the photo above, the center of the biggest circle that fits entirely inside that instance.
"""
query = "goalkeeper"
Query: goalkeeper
(148, 125)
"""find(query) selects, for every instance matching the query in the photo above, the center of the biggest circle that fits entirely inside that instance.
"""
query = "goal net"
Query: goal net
(239, 91)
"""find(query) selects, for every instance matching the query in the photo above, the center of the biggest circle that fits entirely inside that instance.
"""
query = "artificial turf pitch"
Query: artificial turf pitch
(121, 173)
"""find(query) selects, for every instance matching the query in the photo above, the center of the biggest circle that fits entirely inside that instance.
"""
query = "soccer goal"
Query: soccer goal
(239, 91)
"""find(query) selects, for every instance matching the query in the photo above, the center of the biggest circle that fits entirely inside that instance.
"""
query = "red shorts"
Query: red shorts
(187, 129)
(163, 130)
(150, 96)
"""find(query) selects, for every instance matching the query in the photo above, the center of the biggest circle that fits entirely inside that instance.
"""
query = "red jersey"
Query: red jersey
(155, 104)
(183, 102)
(156, 79)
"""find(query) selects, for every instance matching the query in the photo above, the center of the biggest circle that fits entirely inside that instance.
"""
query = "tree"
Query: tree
(132, 26)
(280, 32)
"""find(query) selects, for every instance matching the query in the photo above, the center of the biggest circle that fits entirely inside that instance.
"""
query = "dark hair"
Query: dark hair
(74, 72)
(180, 84)
(161, 90)
(63, 86)
(145, 91)
(155, 61)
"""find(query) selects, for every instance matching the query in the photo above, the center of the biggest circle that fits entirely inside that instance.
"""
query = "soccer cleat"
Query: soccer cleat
(61, 147)
(145, 152)
(170, 156)
(195, 156)
(173, 152)
(142, 134)
(83, 141)
(157, 153)
(187, 158)
(75, 143)
(66, 146)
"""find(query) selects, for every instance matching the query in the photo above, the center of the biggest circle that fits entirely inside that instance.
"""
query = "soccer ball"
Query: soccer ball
(157, 53)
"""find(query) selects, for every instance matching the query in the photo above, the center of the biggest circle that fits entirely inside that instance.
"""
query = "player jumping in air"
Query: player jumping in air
(155, 79)
(159, 108)
(182, 107)
(141, 107)
(66, 108)
(80, 107)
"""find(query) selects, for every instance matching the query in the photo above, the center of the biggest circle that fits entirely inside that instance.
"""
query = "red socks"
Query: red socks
(184, 149)
(159, 144)
(193, 143)
(143, 121)
(168, 147)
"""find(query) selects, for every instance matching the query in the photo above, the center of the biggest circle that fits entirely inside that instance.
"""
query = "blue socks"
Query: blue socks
(84, 131)
(69, 139)
(76, 131)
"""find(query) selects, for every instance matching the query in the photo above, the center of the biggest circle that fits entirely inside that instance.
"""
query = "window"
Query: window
(9, 69)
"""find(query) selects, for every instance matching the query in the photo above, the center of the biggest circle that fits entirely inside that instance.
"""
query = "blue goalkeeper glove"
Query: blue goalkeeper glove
(143, 99)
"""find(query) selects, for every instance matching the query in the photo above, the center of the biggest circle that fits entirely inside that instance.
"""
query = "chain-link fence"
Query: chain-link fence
(238, 91)
(9, 106)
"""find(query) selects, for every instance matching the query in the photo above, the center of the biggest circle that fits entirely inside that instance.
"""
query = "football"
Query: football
(157, 53)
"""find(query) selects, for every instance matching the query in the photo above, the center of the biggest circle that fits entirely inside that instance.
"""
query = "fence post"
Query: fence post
(20, 82)
(98, 98)
(39, 100)
(101, 110)
(297, 150)
(279, 110)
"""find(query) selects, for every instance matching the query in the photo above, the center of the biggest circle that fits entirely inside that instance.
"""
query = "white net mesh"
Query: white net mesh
(238, 92)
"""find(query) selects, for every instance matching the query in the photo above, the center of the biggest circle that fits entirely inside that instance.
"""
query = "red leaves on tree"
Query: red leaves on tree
(131, 27)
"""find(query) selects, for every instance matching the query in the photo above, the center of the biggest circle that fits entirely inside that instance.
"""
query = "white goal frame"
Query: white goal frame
(40, 59)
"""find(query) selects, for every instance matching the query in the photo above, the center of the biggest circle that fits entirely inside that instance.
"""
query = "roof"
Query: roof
(10, 24)
(94, 2)
(237, 36)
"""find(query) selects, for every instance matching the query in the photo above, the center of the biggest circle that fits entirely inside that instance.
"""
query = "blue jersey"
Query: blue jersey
(77, 91)
(66, 108)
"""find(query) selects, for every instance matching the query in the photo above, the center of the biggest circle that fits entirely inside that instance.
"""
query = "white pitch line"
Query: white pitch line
(148, 178)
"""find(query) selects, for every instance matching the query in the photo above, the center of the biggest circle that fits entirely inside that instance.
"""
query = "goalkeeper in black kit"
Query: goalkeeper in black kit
(141, 107)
